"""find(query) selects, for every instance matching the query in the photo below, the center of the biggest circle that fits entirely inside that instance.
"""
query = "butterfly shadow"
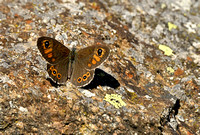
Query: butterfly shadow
(100, 78)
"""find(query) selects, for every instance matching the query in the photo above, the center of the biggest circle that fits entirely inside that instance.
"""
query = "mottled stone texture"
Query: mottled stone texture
(160, 91)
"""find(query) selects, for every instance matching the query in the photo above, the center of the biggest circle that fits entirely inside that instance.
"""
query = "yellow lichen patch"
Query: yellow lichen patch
(163, 5)
(167, 51)
(170, 70)
(115, 100)
(171, 26)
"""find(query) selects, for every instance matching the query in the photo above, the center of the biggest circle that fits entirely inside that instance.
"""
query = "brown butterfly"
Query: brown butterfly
(65, 64)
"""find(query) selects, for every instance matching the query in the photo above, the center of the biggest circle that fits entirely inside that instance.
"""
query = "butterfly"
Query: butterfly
(76, 66)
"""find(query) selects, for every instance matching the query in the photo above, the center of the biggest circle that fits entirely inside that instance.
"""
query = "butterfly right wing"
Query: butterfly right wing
(81, 76)
(59, 72)
(86, 60)
(93, 56)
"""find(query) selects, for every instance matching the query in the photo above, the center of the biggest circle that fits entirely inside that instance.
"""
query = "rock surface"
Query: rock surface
(155, 57)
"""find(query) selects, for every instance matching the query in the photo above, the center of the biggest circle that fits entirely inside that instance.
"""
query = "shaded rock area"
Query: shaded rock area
(150, 84)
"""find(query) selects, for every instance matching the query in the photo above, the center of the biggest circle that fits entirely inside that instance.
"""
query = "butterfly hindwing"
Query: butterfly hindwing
(59, 71)
(80, 75)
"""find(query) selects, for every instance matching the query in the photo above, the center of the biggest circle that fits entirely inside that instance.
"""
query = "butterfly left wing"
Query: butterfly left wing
(59, 71)
(52, 50)
(92, 56)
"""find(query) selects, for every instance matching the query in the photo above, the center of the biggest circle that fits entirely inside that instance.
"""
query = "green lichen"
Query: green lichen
(170, 70)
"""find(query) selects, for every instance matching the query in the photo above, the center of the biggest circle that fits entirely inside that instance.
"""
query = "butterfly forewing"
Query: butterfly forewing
(92, 56)
(52, 50)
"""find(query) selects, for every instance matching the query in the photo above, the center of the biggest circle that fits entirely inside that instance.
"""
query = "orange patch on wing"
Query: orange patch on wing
(54, 74)
(103, 52)
(49, 55)
(88, 74)
(96, 58)
(94, 61)
(85, 75)
(43, 43)
(89, 65)
(53, 59)
(48, 50)
(51, 68)
(79, 80)
(59, 76)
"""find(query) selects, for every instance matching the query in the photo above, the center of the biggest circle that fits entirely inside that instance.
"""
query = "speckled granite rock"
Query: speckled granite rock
(155, 56)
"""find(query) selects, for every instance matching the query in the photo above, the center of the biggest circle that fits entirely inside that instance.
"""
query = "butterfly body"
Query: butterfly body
(76, 66)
